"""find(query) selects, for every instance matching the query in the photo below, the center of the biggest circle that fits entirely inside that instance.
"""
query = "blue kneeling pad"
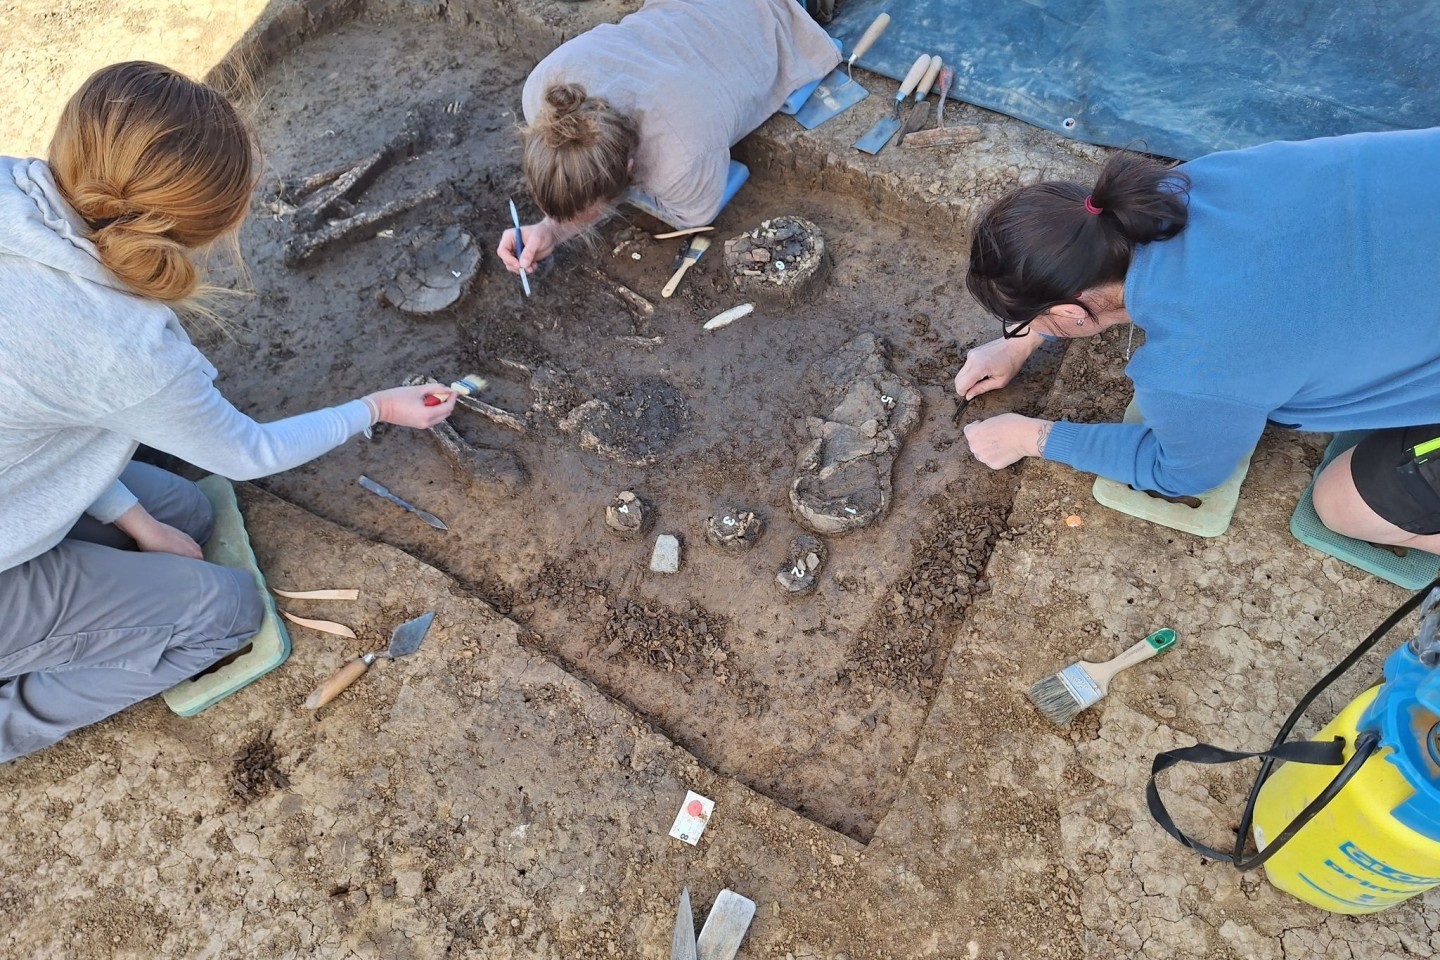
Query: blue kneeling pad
(1210, 519)
(229, 546)
(735, 176)
(1412, 571)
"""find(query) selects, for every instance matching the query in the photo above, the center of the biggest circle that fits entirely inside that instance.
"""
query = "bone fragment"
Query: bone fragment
(644, 343)
(300, 248)
(728, 317)
(503, 417)
(348, 186)
(635, 300)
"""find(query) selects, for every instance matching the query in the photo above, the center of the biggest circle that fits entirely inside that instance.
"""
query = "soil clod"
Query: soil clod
(637, 425)
(734, 528)
(842, 473)
(783, 259)
(801, 570)
(628, 515)
(256, 771)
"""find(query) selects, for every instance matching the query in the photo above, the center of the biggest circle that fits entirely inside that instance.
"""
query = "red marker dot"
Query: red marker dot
(695, 808)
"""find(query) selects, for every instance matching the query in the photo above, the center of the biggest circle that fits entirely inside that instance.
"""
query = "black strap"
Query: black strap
(1302, 751)
(1307, 751)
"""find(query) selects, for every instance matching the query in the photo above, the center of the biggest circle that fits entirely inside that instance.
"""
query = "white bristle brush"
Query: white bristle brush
(1082, 684)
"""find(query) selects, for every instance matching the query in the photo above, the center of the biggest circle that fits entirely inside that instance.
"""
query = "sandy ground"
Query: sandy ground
(50, 49)
(883, 788)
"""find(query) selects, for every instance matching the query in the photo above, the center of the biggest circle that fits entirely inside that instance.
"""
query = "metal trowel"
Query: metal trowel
(722, 934)
(404, 641)
(839, 92)
(877, 136)
(920, 112)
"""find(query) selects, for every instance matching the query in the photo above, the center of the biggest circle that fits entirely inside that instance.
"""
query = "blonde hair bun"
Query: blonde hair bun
(578, 151)
(159, 166)
(565, 98)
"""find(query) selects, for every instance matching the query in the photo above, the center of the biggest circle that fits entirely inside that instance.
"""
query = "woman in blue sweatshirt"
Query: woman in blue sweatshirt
(103, 593)
(1292, 283)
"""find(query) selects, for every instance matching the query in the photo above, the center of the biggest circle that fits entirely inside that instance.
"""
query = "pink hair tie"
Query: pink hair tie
(1091, 209)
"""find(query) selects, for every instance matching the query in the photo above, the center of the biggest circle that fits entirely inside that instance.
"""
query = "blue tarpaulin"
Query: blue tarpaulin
(1177, 78)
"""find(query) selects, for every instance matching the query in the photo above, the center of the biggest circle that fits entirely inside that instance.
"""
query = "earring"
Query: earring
(1079, 321)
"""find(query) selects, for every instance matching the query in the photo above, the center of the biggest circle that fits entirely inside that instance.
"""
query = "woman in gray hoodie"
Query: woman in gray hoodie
(97, 248)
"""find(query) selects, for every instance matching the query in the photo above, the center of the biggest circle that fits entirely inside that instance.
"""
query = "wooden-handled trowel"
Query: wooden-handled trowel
(404, 641)
(838, 91)
(876, 137)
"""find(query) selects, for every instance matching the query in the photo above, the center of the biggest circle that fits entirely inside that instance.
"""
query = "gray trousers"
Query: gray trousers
(92, 625)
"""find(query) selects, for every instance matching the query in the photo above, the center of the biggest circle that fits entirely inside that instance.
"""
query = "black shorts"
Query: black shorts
(1399, 486)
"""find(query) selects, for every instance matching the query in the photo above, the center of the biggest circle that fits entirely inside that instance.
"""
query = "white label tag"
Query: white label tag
(694, 814)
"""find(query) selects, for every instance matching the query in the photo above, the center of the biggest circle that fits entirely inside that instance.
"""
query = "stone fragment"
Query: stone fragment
(666, 556)
(842, 473)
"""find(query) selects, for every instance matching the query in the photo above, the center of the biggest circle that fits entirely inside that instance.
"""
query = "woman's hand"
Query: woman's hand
(539, 241)
(992, 365)
(405, 406)
(1001, 441)
(153, 536)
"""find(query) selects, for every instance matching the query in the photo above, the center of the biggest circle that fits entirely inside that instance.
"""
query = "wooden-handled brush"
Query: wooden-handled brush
(466, 386)
(698, 246)
(1080, 685)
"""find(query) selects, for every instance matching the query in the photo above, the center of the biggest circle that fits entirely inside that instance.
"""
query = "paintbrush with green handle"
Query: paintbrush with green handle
(1080, 685)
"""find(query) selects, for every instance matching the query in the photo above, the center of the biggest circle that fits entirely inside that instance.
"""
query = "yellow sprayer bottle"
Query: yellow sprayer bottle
(1375, 842)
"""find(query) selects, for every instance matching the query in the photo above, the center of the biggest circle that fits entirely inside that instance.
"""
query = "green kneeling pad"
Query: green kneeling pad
(1210, 519)
(1412, 571)
(229, 546)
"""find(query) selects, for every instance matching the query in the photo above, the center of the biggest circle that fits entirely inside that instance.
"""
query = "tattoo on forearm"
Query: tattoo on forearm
(1042, 437)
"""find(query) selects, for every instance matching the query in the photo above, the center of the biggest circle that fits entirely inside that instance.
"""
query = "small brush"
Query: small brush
(468, 385)
(1082, 684)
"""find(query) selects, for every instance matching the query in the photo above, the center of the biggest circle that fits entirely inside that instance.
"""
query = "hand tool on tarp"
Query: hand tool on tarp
(404, 641)
(839, 92)
(722, 934)
(380, 491)
(698, 246)
(941, 135)
(947, 77)
(877, 136)
(920, 112)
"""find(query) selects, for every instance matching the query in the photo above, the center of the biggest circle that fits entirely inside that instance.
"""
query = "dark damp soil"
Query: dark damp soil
(814, 700)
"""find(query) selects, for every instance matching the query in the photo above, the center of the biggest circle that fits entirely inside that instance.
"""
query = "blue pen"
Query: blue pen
(519, 247)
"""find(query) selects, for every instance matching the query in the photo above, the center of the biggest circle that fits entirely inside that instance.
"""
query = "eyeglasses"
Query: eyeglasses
(1014, 330)
(1011, 329)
